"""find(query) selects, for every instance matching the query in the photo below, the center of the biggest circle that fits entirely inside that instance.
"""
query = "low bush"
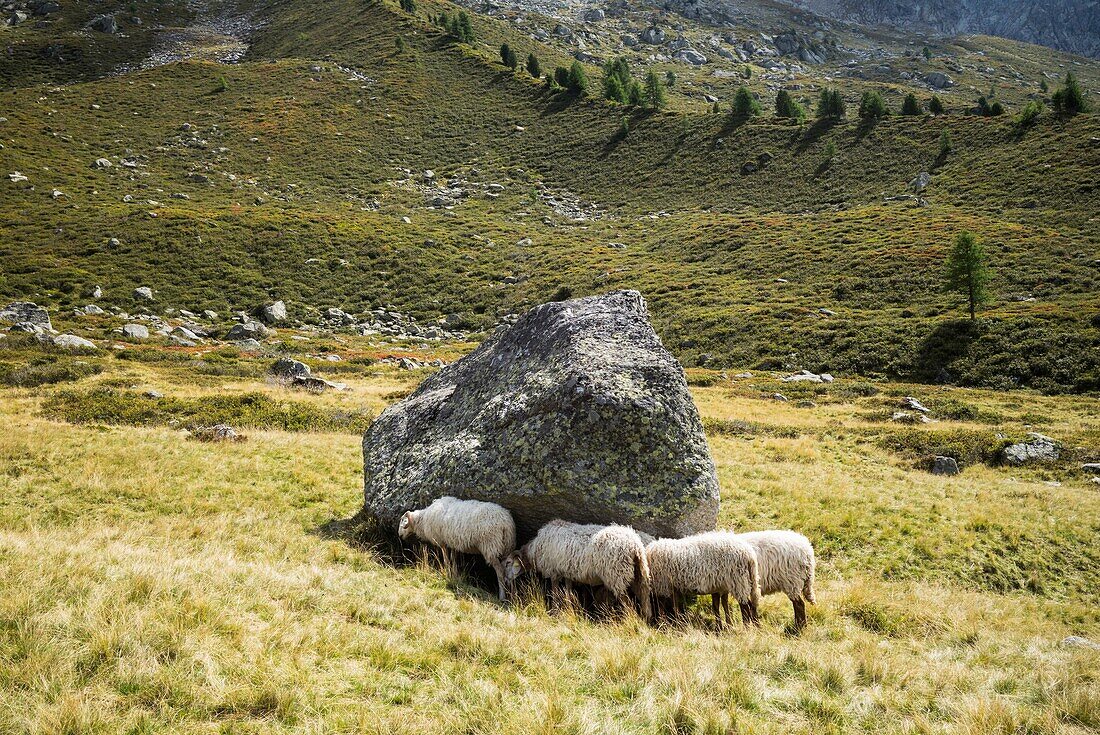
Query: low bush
(47, 370)
(255, 410)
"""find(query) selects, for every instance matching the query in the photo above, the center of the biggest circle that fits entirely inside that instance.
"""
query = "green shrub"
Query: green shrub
(654, 90)
(533, 66)
(47, 370)
(616, 80)
(935, 106)
(786, 107)
(910, 106)
(1070, 99)
(255, 410)
(409, 6)
(1029, 115)
(872, 106)
(744, 104)
(967, 446)
(576, 79)
(830, 105)
(508, 56)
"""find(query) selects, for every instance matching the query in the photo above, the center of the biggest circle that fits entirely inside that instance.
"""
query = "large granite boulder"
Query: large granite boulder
(576, 411)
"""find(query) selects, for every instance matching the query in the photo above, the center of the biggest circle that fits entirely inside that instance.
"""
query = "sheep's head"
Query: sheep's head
(515, 566)
(407, 525)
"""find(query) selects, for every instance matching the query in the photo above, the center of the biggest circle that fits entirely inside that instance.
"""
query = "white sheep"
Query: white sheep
(716, 563)
(785, 562)
(610, 556)
(465, 526)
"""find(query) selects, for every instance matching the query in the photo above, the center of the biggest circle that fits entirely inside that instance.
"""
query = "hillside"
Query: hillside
(288, 176)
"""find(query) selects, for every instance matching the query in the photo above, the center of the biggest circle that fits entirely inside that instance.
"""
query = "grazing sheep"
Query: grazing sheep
(785, 562)
(611, 556)
(465, 526)
(717, 563)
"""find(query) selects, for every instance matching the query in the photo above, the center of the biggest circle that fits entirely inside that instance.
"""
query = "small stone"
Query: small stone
(142, 293)
(1076, 641)
(944, 466)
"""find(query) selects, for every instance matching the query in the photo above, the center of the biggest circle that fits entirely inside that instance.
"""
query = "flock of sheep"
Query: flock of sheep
(658, 575)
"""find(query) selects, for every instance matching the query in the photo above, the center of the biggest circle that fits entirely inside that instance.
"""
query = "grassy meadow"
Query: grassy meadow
(151, 583)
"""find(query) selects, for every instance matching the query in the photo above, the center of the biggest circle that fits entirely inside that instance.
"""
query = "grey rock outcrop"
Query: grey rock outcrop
(576, 411)
(1038, 448)
(246, 330)
(72, 343)
(135, 331)
(26, 312)
(143, 293)
(289, 369)
(273, 313)
(944, 466)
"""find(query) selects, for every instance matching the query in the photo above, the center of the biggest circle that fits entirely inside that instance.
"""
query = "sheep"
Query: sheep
(611, 556)
(716, 563)
(465, 526)
(785, 562)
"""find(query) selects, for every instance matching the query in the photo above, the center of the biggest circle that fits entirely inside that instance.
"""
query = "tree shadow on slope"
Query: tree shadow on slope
(947, 343)
(809, 136)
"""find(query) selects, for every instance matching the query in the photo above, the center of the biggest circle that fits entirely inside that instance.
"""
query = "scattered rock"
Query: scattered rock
(904, 417)
(26, 311)
(944, 466)
(102, 163)
(316, 385)
(1092, 467)
(143, 293)
(1076, 641)
(922, 180)
(249, 345)
(92, 310)
(779, 397)
(104, 24)
(273, 313)
(216, 433)
(135, 331)
(72, 343)
(574, 411)
(289, 369)
(691, 56)
(247, 330)
(1039, 449)
(914, 405)
(653, 35)
(805, 376)
(939, 80)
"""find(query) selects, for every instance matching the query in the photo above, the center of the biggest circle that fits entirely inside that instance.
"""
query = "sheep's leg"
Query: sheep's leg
(499, 569)
(799, 613)
(715, 606)
(726, 608)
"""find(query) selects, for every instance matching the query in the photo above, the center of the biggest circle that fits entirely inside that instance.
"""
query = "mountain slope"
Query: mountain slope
(1069, 25)
(298, 173)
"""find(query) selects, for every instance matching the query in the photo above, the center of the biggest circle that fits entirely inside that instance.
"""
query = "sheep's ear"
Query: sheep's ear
(406, 519)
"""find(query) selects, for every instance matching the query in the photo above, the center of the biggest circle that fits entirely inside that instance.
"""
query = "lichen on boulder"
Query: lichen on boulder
(576, 411)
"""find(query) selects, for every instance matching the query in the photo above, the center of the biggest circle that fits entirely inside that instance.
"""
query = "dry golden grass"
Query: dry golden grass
(153, 584)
